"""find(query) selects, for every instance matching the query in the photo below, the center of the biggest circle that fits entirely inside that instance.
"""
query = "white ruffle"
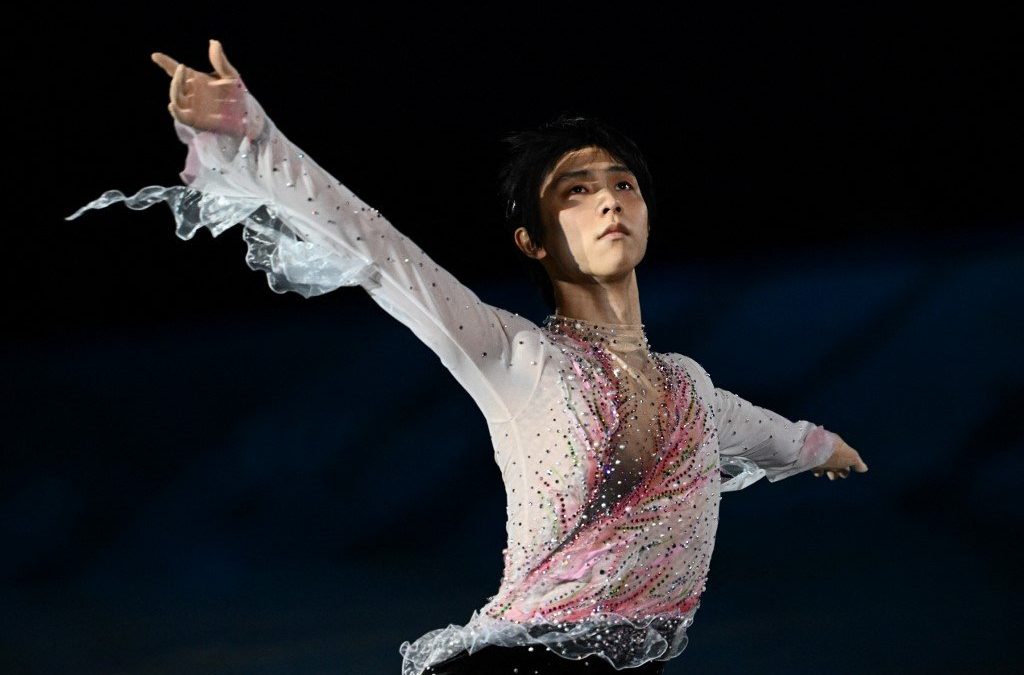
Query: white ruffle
(222, 189)
(742, 473)
(290, 263)
(622, 642)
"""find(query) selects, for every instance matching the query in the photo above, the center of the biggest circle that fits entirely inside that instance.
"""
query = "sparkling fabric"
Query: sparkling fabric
(613, 456)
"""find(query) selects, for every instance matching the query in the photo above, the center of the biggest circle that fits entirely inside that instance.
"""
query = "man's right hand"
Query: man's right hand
(210, 102)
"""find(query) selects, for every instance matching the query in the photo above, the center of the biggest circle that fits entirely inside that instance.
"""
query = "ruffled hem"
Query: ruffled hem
(622, 642)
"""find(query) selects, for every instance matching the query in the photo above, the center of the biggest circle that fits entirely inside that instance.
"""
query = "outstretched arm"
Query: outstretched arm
(775, 444)
(311, 234)
(757, 442)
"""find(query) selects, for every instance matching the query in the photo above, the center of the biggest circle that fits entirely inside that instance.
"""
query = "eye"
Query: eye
(571, 190)
(626, 183)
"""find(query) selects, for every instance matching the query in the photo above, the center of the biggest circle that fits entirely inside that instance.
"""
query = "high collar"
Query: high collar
(618, 337)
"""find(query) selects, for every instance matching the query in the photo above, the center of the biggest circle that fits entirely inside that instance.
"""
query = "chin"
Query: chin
(615, 272)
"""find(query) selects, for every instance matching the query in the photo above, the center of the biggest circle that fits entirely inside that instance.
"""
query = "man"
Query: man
(610, 452)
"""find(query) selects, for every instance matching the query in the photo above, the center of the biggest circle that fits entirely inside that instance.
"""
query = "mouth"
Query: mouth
(613, 228)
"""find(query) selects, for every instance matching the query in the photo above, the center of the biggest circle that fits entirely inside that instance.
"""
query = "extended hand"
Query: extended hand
(843, 458)
(209, 102)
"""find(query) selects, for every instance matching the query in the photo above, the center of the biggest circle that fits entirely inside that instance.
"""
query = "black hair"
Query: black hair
(533, 154)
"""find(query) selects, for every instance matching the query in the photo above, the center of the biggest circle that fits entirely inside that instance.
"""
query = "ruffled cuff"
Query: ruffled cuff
(742, 473)
(817, 445)
(224, 187)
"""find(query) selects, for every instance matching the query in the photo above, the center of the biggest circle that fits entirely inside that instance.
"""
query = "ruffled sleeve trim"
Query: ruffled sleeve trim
(741, 471)
(221, 192)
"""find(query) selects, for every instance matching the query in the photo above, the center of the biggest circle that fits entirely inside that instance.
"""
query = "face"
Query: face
(587, 192)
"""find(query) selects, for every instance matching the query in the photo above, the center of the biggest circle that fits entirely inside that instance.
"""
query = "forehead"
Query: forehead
(591, 157)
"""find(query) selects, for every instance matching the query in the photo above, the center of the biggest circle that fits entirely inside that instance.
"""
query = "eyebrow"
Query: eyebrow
(587, 173)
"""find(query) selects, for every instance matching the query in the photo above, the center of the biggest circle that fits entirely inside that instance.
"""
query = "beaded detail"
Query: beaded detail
(620, 553)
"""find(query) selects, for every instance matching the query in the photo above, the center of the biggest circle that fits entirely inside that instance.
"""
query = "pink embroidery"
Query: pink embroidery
(638, 558)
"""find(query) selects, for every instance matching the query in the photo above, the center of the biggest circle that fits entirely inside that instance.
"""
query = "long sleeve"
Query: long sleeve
(755, 442)
(310, 234)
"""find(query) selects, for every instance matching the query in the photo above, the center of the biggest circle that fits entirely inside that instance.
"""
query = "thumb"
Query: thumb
(220, 62)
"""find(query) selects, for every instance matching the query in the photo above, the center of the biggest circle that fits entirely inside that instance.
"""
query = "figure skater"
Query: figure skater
(613, 455)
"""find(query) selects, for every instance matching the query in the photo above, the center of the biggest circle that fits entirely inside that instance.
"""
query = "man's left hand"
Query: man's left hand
(839, 464)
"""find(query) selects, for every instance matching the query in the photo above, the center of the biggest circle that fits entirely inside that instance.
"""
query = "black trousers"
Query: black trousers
(495, 660)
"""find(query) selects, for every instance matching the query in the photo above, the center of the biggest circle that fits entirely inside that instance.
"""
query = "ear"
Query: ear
(527, 246)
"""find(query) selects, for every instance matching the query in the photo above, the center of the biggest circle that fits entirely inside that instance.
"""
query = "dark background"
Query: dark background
(201, 476)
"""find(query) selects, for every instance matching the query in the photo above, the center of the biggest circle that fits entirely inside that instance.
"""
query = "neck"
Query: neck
(617, 337)
(615, 302)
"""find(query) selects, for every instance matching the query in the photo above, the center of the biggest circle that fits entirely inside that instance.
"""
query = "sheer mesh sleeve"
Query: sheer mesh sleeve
(310, 235)
(756, 443)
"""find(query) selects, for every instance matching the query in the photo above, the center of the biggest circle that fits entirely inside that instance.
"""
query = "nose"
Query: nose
(610, 203)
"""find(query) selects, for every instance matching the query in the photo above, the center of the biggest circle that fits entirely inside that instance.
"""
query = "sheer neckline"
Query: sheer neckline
(619, 337)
